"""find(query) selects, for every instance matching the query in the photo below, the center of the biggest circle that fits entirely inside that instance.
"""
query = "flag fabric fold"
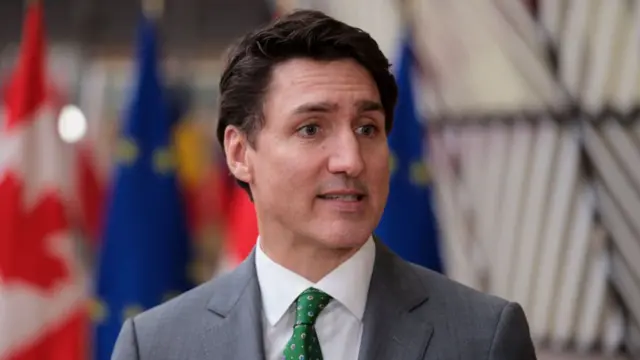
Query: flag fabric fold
(242, 231)
(145, 250)
(42, 281)
(238, 215)
(408, 225)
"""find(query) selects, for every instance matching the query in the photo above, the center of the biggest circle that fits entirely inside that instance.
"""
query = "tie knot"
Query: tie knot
(309, 305)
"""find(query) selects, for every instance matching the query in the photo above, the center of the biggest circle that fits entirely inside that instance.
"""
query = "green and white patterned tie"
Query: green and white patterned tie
(304, 344)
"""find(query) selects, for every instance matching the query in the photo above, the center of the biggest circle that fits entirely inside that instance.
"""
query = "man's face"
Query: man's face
(320, 167)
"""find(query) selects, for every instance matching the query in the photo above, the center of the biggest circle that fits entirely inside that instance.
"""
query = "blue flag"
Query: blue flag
(408, 224)
(145, 248)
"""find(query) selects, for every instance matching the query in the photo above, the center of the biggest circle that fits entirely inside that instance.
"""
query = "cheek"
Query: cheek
(379, 161)
(284, 173)
(378, 170)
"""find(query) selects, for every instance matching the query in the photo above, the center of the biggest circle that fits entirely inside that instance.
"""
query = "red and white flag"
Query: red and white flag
(42, 285)
(240, 222)
(242, 231)
(93, 156)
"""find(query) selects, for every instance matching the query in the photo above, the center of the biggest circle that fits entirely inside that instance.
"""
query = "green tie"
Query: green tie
(304, 344)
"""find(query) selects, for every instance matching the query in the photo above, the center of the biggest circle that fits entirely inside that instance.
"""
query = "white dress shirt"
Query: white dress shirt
(339, 325)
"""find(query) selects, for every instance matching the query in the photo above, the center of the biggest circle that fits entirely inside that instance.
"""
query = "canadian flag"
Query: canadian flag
(93, 155)
(42, 285)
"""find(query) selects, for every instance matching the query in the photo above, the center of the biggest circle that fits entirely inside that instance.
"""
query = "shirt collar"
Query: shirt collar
(348, 283)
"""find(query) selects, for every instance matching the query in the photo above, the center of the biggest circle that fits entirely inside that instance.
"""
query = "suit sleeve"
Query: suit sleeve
(126, 347)
(512, 339)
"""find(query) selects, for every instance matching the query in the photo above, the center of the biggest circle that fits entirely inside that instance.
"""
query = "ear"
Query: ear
(235, 147)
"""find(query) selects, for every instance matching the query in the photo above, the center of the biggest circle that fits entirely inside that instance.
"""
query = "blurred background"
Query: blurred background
(522, 177)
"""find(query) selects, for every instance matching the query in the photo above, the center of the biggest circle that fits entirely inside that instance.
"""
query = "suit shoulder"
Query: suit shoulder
(157, 326)
(178, 307)
(457, 297)
(467, 316)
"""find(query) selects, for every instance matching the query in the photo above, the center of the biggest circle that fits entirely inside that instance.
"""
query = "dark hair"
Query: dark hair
(300, 34)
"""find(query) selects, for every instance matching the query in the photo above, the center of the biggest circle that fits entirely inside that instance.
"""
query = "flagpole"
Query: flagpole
(29, 3)
(406, 15)
(153, 9)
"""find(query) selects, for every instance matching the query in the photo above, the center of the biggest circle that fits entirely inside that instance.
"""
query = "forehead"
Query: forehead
(299, 81)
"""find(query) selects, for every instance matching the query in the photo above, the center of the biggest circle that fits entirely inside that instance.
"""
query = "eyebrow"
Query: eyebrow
(327, 107)
(318, 107)
(368, 105)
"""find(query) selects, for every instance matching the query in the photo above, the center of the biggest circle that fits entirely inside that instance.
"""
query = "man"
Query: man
(306, 106)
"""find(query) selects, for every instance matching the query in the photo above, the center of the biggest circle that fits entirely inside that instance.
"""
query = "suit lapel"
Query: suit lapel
(392, 327)
(233, 326)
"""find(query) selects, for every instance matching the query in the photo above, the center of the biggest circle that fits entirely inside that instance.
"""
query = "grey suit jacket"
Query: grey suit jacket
(411, 313)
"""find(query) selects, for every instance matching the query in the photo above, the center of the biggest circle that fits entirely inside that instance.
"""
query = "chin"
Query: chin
(340, 237)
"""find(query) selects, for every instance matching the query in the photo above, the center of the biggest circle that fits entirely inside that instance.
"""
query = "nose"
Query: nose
(346, 155)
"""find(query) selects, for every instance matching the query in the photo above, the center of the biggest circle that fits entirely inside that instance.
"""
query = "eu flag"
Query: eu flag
(145, 247)
(408, 224)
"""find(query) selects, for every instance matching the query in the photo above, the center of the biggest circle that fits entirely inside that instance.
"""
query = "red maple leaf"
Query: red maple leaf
(25, 255)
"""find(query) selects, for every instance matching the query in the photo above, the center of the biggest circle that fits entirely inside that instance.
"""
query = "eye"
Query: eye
(309, 130)
(367, 130)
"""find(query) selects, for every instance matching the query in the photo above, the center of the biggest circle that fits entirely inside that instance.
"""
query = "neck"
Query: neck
(305, 258)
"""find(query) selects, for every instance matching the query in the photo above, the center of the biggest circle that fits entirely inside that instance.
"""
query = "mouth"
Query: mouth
(343, 197)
